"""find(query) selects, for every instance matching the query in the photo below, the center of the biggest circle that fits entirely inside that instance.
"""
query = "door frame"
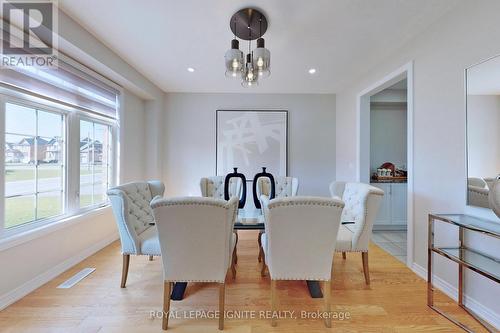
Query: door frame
(363, 136)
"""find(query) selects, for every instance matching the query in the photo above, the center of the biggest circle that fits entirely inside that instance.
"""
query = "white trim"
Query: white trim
(2, 165)
(482, 311)
(9, 241)
(388, 80)
(23, 290)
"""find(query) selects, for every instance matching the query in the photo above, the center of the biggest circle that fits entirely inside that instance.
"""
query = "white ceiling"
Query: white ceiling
(342, 39)
(484, 79)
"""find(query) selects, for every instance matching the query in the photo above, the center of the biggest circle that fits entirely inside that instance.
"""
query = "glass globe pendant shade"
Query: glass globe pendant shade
(249, 75)
(234, 60)
(262, 59)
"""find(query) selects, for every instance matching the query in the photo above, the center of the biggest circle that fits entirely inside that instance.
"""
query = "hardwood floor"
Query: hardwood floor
(395, 301)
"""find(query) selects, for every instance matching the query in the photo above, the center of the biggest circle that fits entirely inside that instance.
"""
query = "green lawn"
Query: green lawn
(22, 210)
(15, 173)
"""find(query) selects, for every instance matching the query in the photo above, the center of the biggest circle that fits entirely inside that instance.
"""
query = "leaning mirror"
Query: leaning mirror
(483, 134)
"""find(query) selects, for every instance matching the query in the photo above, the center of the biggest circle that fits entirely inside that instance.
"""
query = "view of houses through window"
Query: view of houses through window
(34, 164)
(95, 152)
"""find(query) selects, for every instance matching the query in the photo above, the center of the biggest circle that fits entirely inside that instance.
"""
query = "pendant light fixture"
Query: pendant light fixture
(248, 24)
(234, 59)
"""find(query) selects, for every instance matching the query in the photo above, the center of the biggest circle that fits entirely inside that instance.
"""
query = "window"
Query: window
(95, 167)
(59, 143)
(34, 164)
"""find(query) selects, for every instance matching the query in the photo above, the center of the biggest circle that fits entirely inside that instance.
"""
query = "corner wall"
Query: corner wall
(460, 39)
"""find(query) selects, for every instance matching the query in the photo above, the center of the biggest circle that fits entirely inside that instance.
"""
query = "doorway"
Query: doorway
(385, 158)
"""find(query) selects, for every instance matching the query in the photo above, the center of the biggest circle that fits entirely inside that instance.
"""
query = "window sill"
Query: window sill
(8, 241)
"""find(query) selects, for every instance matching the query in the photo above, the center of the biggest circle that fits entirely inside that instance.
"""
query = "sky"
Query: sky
(22, 120)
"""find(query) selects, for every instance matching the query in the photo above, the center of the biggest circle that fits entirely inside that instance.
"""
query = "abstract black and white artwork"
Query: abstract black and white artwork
(249, 140)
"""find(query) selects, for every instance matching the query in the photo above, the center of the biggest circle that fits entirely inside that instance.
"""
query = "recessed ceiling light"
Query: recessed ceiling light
(312, 70)
(190, 69)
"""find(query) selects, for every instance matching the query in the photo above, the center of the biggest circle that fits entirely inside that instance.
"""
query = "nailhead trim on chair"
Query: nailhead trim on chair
(308, 278)
(297, 201)
(194, 202)
(202, 281)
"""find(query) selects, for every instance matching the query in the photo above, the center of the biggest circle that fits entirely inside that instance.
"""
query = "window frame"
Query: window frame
(71, 174)
(112, 153)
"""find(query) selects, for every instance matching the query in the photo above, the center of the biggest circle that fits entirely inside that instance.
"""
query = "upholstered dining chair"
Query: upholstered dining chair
(197, 243)
(362, 202)
(213, 187)
(298, 241)
(284, 187)
(134, 217)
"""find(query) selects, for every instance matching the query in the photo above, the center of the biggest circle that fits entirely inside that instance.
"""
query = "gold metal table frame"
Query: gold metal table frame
(459, 255)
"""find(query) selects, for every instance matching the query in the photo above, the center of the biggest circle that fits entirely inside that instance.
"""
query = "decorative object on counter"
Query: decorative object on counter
(494, 197)
(272, 194)
(236, 174)
(389, 172)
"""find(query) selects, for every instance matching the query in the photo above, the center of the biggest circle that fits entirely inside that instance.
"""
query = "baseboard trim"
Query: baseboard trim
(26, 288)
(452, 292)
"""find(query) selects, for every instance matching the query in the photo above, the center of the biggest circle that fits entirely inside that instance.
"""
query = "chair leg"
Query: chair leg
(126, 262)
(235, 251)
(326, 296)
(233, 264)
(167, 290)
(364, 257)
(273, 303)
(222, 292)
(150, 258)
(344, 256)
(261, 251)
(264, 267)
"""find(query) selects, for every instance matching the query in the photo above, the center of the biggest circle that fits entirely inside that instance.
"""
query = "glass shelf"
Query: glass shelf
(476, 261)
(488, 227)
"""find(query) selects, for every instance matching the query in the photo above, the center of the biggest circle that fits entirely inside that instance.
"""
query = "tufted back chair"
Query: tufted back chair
(285, 187)
(130, 203)
(213, 187)
(131, 207)
(362, 202)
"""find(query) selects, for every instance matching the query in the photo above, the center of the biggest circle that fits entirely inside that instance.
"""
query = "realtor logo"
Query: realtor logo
(29, 33)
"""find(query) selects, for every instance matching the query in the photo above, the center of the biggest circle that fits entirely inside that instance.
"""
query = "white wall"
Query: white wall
(189, 130)
(133, 139)
(440, 55)
(29, 261)
(483, 135)
(387, 136)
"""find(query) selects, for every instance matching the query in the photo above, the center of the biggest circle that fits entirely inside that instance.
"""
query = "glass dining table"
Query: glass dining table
(247, 219)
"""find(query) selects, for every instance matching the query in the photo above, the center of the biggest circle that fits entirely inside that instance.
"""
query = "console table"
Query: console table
(465, 257)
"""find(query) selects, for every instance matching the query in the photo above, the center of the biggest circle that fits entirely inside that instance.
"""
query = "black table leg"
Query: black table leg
(178, 292)
(314, 289)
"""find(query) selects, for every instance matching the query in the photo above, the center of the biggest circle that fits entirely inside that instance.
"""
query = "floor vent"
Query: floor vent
(76, 278)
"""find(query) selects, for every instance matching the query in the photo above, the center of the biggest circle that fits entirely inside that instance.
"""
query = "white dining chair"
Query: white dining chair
(134, 217)
(284, 187)
(213, 187)
(362, 202)
(298, 244)
(197, 243)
